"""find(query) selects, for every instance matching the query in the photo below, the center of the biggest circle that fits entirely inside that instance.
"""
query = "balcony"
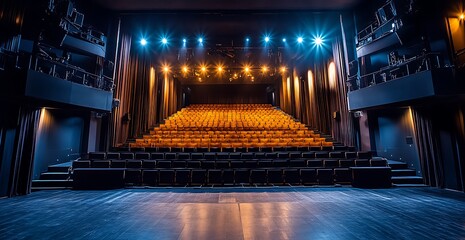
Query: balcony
(407, 80)
(42, 79)
(381, 33)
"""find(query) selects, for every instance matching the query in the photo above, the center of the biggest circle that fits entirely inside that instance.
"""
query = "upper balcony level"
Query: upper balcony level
(380, 33)
(47, 79)
(402, 82)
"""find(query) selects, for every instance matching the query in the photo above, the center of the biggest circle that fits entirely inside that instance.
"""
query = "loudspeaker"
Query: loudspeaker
(115, 103)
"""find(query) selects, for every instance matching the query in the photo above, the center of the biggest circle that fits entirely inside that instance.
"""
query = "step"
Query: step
(52, 183)
(54, 176)
(410, 185)
(398, 165)
(407, 180)
(58, 168)
(403, 172)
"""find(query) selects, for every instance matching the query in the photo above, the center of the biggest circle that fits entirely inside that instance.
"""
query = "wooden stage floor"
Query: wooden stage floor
(234, 213)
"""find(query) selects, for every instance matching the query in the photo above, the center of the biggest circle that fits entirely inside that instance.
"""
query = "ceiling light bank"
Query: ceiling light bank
(203, 70)
(266, 40)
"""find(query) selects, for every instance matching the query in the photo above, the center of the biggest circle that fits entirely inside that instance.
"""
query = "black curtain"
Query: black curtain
(343, 125)
(429, 123)
(146, 96)
(425, 138)
(136, 89)
(459, 119)
(24, 154)
(318, 108)
(18, 152)
(318, 97)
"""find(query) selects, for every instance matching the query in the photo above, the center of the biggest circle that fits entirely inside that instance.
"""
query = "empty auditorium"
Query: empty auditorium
(208, 119)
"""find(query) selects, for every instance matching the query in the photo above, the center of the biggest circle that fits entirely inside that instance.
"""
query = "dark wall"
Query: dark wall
(232, 93)
(60, 138)
(393, 136)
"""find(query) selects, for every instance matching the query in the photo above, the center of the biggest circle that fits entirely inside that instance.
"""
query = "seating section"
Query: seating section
(232, 168)
(237, 144)
(228, 127)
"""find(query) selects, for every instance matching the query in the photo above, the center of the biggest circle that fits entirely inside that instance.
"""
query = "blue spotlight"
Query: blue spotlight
(184, 40)
(318, 41)
(300, 39)
(164, 41)
(284, 39)
(143, 42)
(200, 40)
(267, 39)
(247, 39)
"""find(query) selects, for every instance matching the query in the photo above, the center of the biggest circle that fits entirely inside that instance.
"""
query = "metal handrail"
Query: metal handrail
(70, 72)
(403, 67)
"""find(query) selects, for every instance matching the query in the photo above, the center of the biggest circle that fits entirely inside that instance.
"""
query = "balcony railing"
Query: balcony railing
(55, 68)
(72, 73)
(401, 68)
(379, 28)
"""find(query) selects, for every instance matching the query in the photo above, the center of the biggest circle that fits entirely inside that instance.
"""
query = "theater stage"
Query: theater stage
(234, 213)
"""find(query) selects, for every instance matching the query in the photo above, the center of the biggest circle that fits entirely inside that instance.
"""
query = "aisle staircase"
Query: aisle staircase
(402, 176)
(57, 177)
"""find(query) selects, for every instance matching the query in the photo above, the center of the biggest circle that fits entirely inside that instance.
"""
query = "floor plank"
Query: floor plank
(267, 213)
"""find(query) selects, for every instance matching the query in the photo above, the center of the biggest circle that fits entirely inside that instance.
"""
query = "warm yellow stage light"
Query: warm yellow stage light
(283, 69)
(264, 69)
(247, 69)
(462, 16)
(185, 69)
(220, 69)
(166, 69)
(203, 69)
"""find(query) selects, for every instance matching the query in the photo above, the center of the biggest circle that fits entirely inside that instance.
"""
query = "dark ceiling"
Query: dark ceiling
(225, 43)
(225, 24)
(154, 5)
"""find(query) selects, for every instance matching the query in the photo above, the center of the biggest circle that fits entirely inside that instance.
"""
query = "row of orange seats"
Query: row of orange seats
(231, 145)
(235, 125)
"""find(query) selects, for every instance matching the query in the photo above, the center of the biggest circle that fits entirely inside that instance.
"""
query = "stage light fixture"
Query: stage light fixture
(143, 42)
(184, 40)
(462, 16)
(220, 69)
(284, 39)
(264, 69)
(166, 69)
(246, 69)
(300, 39)
(185, 69)
(318, 41)
(283, 69)
(267, 39)
(200, 40)
(203, 69)
(164, 41)
(247, 39)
